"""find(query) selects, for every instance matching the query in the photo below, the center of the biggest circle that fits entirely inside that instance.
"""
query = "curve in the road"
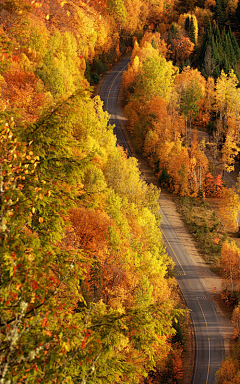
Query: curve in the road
(109, 92)
(209, 345)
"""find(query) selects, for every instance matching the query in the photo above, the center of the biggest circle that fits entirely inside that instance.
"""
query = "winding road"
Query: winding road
(209, 345)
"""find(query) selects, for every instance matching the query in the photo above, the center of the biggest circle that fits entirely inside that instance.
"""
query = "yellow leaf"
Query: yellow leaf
(66, 346)
(47, 17)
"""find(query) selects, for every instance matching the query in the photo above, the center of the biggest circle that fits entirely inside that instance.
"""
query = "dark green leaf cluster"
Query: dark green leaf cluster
(189, 26)
(220, 51)
(220, 13)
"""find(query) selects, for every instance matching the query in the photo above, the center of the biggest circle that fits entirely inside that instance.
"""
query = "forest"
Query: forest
(87, 290)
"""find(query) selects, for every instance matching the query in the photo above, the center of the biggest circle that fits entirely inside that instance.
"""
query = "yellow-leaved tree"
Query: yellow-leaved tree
(230, 264)
(229, 209)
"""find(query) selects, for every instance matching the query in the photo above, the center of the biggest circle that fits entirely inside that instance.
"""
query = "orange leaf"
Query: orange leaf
(44, 322)
(35, 284)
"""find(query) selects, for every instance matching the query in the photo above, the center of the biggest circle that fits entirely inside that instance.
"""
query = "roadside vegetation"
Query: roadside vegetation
(203, 223)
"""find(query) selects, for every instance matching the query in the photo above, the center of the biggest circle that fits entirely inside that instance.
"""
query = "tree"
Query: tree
(229, 209)
(226, 373)
(192, 33)
(134, 15)
(213, 186)
(209, 63)
(177, 154)
(230, 263)
(188, 105)
(230, 150)
(236, 320)
(221, 49)
(59, 69)
(198, 166)
(117, 9)
(225, 90)
(190, 86)
(157, 42)
(220, 13)
(156, 77)
(182, 48)
(189, 22)
(24, 93)
(30, 35)
(35, 271)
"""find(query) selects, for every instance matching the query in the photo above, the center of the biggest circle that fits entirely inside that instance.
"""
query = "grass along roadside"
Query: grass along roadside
(201, 219)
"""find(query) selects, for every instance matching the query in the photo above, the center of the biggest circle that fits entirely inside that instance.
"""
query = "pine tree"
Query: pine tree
(192, 31)
(234, 44)
(220, 15)
(225, 50)
(237, 13)
(187, 24)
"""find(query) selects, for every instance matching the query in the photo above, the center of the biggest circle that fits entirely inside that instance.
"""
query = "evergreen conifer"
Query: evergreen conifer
(192, 31)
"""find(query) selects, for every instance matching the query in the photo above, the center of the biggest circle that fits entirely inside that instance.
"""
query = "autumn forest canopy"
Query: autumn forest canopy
(87, 291)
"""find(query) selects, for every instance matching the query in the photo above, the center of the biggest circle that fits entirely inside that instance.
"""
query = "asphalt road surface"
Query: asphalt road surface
(109, 94)
(209, 345)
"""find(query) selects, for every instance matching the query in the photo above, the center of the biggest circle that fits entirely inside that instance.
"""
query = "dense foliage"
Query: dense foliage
(86, 288)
